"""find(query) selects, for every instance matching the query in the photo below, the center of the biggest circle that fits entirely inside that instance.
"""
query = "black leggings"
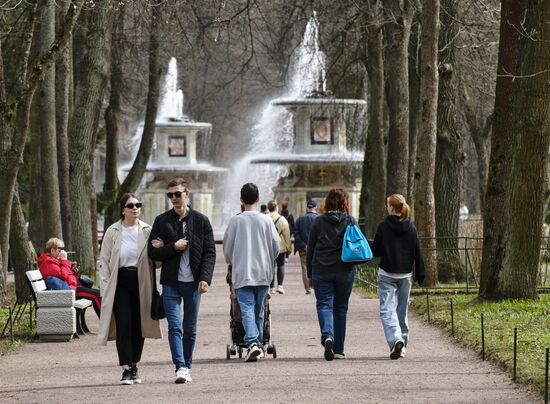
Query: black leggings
(92, 295)
(280, 261)
(129, 341)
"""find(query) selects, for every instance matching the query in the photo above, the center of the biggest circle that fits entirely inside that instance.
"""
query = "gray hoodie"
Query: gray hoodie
(250, 246)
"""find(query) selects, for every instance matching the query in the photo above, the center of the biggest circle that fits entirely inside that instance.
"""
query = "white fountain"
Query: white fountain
(176, 148)
(299, 148)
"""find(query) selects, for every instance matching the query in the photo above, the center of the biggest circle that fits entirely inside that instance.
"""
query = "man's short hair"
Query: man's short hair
(284, 205)
(249, 193)
(174, 182)
(272, 205)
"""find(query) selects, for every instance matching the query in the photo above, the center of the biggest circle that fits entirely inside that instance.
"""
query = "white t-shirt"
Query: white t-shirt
(184, 273)
(128, 247)
(394, 276)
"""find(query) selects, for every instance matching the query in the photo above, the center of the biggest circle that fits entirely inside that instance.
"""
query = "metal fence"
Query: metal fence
(469, 251)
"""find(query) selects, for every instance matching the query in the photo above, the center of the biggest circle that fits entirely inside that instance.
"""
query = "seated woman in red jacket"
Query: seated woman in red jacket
(58, 271)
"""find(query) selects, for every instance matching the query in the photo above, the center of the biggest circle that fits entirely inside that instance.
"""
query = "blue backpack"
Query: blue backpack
(355, 247)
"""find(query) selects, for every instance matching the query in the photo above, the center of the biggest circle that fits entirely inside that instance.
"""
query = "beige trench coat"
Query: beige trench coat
(108, 276)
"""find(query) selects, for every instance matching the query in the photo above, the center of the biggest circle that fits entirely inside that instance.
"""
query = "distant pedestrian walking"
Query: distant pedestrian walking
(250, 245)
(126, 288)
(290, 219)
(286, 246)
(331, 278)
(396, 243)
(301, 236)
(182, 239)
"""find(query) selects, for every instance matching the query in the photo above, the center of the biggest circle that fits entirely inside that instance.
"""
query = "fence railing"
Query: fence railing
(469, 250)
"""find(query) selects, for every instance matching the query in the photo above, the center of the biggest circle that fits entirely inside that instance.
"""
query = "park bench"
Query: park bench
(58, 316)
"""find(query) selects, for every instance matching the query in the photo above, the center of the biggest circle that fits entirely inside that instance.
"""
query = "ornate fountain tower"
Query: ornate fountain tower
(178, 151)
(313, 140)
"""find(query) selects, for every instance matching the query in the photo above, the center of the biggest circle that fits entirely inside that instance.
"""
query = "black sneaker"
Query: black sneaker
(135, 375)
(329, 353)
(126, 377)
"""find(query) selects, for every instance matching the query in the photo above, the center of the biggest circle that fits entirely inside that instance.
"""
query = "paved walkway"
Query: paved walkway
(435, 370)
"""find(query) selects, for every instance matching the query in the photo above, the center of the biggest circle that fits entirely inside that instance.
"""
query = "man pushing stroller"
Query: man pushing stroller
(250, 246)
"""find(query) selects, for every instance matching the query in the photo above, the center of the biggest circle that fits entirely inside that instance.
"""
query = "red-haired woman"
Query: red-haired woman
(396, 243)
(331, 278)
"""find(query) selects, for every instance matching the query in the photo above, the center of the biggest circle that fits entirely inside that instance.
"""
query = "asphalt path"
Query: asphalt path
(435, 370)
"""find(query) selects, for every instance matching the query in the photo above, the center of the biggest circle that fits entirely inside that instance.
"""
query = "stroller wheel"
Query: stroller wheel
(227, 352)
(240, 352)
(274, 351)
(233, 351)
(269, 349)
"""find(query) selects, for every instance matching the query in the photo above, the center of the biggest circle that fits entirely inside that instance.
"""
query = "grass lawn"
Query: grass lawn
(21, 330)
(531, 318)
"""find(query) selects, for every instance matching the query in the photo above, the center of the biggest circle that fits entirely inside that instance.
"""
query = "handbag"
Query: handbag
(86, 281)
(157, 305)
(355, 247)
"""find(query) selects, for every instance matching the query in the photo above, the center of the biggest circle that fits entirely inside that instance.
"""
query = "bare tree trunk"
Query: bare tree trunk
(36, 228)
(397, 31)
(414, 104)
(449, 155)
(495, 215)
(89, 91)
(518, 279)
(14, 123)
(374, 167)
(112, 115)
(481, 136)
(132, 181)
(51, 221)
(23, 253)
(427, 137)
(63, 85)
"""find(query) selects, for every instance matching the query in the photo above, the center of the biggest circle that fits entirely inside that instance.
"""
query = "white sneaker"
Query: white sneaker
(273, 291)
(339, 356)
(252, 354)
(280, 289)
(182, 375)
(396, 350)
(262, 354)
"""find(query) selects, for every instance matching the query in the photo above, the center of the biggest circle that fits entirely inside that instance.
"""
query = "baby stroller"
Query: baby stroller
(236, 329)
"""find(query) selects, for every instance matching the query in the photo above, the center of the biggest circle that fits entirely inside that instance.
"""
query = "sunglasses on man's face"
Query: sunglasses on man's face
(132, 205)
(59, 248)
(176, 194)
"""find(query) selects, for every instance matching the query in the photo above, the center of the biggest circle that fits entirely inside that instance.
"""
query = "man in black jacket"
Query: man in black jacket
(182, 239)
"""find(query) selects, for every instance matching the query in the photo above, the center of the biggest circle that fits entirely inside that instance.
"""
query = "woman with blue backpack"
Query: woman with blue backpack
(331, 278)
(396, 243)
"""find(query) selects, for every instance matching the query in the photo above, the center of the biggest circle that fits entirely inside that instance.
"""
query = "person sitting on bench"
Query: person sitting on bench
(60, 273)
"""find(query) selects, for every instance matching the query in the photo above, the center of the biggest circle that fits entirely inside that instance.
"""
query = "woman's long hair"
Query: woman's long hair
(399, 204)
(337, 199)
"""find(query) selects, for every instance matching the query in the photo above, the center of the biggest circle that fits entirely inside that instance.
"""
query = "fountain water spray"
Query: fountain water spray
(274, 131)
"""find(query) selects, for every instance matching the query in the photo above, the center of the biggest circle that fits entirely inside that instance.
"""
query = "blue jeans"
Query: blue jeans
(54, 283)
(252, 301)
(394, 305)
(332, 292)
(182, 332)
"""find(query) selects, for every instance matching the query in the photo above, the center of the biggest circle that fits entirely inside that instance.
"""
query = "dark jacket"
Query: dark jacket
(202, 253)
(324, 249)
(396, 242)
(301, 230)
(289, 218)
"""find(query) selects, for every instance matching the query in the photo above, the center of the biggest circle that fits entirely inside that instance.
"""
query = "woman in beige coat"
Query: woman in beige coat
(126, 288)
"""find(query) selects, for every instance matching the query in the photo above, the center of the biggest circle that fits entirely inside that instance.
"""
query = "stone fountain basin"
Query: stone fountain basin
(310, 158)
